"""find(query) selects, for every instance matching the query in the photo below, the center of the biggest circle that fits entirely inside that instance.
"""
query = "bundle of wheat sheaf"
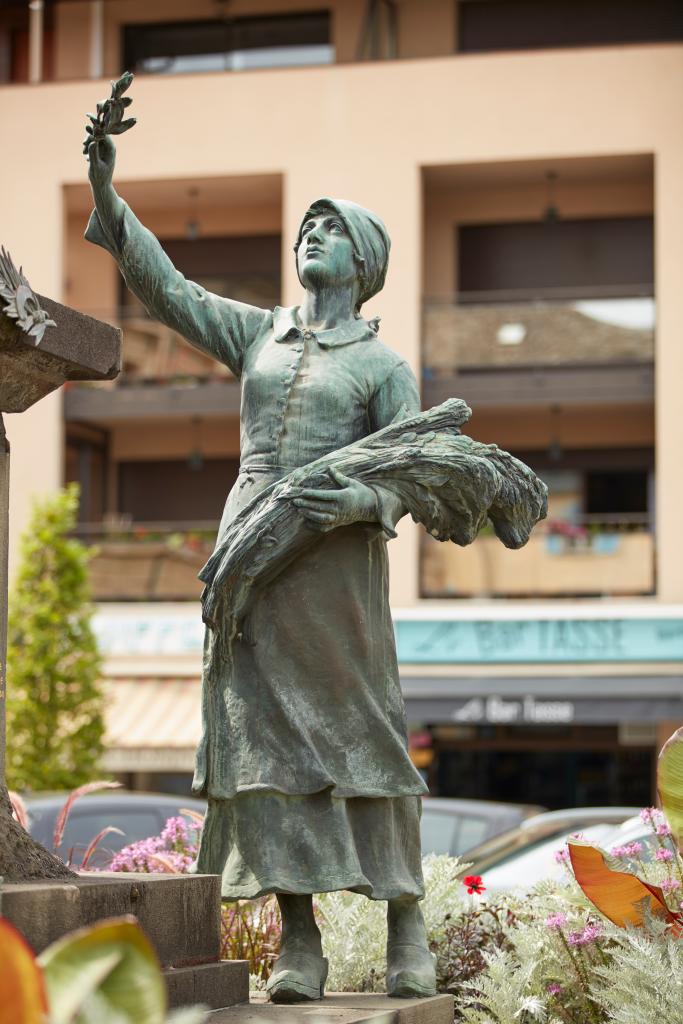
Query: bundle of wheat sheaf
(449, 483)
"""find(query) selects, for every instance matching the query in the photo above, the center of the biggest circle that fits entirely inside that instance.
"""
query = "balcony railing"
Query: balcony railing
(147, 561)
(593, 556)
(507, 351)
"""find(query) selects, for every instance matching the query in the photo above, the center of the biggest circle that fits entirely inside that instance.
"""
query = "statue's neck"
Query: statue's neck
(328, 307)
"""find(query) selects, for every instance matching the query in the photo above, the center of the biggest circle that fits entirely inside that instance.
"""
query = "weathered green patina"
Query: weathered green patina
(304, 754)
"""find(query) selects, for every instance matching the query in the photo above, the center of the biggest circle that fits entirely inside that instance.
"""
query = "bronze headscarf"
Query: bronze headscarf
(370, 239)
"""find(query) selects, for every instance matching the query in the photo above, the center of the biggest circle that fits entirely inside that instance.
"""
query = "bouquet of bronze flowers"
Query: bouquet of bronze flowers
(449, 483)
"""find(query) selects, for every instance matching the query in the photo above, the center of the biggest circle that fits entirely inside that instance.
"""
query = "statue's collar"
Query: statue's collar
(287, 327)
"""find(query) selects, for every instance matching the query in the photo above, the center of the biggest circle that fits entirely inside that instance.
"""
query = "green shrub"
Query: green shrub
(55, 703)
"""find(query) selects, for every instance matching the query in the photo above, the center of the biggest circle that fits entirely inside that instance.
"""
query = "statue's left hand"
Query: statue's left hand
(353, 502)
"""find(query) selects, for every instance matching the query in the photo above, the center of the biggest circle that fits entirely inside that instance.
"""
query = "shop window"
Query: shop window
(538, 24)
(561, 258)
(231, 44)
(551, 776)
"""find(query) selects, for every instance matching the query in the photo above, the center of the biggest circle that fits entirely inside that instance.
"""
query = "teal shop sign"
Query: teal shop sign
(510, 641)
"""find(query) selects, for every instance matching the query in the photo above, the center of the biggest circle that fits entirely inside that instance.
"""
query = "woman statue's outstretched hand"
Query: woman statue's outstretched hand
(354, 502)
(101, 163)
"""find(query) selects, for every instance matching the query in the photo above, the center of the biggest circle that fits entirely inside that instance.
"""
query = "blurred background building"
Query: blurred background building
(527, 158)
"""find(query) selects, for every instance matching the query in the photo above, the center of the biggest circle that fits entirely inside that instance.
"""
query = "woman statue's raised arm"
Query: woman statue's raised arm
(220, 327)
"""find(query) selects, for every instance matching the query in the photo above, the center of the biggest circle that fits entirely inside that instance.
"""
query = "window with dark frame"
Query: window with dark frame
(490, 25)
(231, 44)
(561, 258)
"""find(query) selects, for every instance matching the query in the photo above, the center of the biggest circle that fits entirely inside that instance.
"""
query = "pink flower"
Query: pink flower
(589, 934)
(664, 855)
(174, 834)
(556, 921)
(562, 856)
(650, 814)
(628, 850)
(670, 885)
(554, 989)
(663, 830)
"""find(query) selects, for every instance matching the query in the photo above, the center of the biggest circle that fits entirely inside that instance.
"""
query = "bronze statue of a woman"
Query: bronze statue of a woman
(304, 755)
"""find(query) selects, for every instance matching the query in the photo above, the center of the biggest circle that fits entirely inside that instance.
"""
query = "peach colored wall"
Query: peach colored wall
(426, 28)
(576, 427)
(168, 439)
(90, 281)
(72, 28)
(318, 128)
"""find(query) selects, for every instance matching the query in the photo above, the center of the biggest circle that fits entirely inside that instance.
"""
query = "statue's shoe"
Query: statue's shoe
(411, 971)
(297, 977)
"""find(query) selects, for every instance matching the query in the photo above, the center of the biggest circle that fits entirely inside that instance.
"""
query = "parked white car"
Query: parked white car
(523, 856)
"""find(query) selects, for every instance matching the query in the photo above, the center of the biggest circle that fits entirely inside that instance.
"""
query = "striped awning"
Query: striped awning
(151, 724)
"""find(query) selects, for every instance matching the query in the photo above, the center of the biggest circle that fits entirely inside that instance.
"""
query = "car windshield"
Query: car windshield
(500, 848)
(523, 868)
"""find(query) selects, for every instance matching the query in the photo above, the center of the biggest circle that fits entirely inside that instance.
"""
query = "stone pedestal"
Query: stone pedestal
(342, 1008)
(180, 914)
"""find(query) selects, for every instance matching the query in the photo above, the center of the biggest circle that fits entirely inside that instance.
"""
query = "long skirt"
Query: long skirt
(304, 755)
(270, 842)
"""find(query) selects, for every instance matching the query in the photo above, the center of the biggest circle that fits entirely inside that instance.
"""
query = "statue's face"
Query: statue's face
(325, 257)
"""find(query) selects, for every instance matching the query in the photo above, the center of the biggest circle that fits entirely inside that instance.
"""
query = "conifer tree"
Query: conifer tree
(54, 700)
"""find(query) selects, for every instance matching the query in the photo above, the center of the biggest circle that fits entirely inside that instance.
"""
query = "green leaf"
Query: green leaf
(106, 974)
(670, 784)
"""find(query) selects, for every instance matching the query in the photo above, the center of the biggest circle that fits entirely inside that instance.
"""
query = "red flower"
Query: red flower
(473, 883)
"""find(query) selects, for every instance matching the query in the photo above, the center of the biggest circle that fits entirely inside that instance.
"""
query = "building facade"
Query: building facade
(527, 159)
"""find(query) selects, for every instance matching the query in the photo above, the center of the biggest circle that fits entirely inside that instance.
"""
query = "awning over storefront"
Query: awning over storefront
(151, 724)
(539, 700)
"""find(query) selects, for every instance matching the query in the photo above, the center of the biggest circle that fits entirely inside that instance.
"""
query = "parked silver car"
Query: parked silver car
(454, 826)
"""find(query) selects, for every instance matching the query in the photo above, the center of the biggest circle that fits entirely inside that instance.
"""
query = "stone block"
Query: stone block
(77, 348)
(179, 913)
(342, 1008)
(214, 985)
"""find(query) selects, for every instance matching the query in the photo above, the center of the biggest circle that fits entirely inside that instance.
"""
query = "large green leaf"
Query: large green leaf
(22, 991)
(670, 784)
(106, 974)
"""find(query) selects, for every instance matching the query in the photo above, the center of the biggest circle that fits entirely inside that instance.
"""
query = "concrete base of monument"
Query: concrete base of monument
(341, 1008)
(180, 915)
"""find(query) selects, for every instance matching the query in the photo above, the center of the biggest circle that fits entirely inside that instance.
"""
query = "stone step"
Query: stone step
(341, 1008)
(214, 985)
(180, 914)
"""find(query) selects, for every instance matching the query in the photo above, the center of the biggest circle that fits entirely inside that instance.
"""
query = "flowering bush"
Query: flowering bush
(563, 963)
(250, 930)
(172, 852)
(547, 957)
